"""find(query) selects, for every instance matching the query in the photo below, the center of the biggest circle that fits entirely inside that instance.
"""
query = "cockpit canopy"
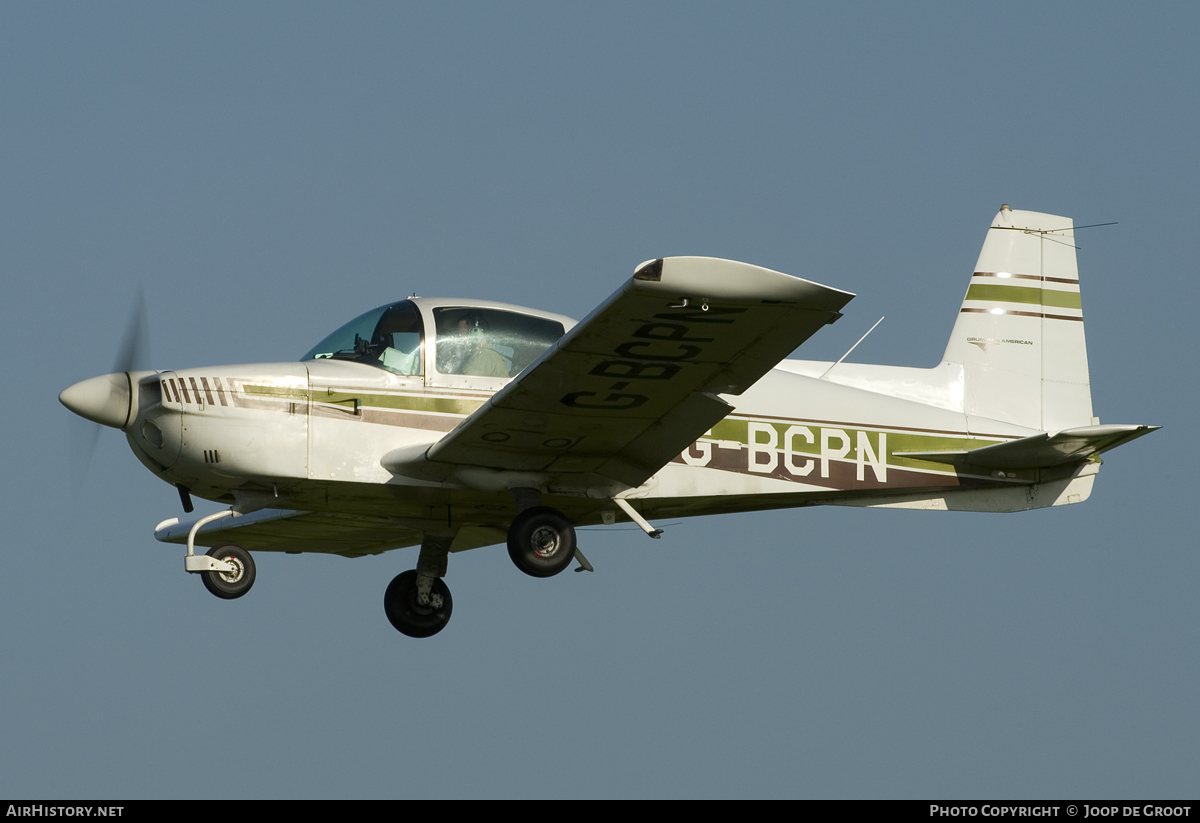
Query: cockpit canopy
(482, 340)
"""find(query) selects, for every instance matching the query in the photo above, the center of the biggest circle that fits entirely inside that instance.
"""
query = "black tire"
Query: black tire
(409, 617)
(541, 541)
(226, 585)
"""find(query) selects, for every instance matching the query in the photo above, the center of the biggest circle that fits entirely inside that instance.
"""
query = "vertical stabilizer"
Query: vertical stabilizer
(1019, 334)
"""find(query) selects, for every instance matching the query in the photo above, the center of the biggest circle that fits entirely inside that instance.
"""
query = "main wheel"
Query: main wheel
(541, 541)
(230, 585)
(408, 616)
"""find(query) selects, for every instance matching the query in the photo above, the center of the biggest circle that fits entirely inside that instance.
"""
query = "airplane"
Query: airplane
(457, 424)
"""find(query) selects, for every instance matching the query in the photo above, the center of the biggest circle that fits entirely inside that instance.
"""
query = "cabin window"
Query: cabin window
(490, 342)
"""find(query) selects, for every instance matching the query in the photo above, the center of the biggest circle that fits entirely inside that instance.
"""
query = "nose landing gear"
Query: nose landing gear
(229, 585)
(227, 570)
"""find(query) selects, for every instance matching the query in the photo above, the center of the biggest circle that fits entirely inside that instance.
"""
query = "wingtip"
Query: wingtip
(651, 270)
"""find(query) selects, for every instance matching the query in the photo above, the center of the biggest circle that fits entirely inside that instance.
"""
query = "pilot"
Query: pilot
(396, 344)
(479, 359)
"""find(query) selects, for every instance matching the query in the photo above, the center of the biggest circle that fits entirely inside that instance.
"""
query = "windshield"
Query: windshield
(388, 337)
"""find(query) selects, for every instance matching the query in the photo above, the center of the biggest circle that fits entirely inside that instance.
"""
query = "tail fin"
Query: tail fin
(1019, 334)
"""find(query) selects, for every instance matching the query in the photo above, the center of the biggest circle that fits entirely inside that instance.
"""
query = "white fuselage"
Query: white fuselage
(311, 434)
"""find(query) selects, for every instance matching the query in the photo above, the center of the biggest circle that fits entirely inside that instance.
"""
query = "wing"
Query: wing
(349, 535)
(634, 383)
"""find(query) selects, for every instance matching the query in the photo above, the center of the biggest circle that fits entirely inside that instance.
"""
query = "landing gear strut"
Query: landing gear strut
(541, 541)
(418, 602)
(228, 570)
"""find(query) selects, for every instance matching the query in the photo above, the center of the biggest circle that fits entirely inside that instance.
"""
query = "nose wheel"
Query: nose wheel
(229, 585)
(414, 612)
(541, 541)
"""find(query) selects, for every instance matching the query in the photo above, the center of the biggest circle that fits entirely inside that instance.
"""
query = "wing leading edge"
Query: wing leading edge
(634, 383)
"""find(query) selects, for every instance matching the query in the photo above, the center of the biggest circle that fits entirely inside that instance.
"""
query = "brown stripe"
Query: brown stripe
(999, 275)
(999, 312)
(167, 391)
(1025, 277)
(207, 391)
(183, 388)
(1021, 313)
(220, 390)
(195, 390)
(435, 392)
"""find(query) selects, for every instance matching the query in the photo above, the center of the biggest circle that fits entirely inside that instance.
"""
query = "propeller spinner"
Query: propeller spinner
(107, 400)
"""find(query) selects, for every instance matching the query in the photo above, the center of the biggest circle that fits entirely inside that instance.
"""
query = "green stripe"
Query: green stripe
(441, 405)
(1024, 294)
(277, 391)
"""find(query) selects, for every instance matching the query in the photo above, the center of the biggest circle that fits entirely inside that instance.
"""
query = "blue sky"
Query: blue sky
(266, 172)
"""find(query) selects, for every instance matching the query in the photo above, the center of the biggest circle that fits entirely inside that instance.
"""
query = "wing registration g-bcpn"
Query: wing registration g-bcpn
(456, 424)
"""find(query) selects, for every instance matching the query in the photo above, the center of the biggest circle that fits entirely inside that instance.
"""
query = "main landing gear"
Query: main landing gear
(414, 612)
(541, 541)
(417, 602)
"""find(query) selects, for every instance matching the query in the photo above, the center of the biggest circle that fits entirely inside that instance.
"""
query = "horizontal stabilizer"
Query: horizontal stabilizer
(1041, 451)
